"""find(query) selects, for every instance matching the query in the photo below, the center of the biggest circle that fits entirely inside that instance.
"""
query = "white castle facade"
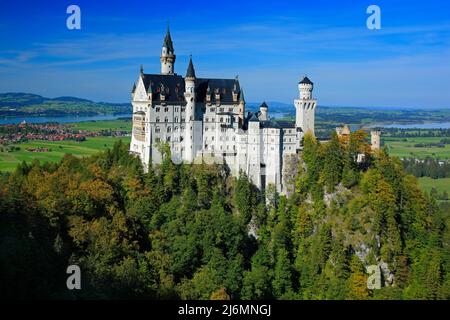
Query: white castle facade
(204, 120)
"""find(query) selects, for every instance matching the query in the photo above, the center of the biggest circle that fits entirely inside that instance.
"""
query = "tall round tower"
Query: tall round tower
(305, 107)
(189, 95)
(168, 55)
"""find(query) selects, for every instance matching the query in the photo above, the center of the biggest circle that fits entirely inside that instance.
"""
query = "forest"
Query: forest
(195, 232)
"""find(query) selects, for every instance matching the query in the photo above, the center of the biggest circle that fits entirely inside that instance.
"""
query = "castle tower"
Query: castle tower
(241, 107)
(189, 95)
(167, 55)
(305, 109)
(264, 110)
(375, 139)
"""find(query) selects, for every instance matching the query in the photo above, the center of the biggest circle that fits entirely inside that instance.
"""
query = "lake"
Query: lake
(14, 120)
(433, 125)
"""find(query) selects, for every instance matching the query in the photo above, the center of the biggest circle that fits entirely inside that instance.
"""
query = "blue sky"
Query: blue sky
(269, 44)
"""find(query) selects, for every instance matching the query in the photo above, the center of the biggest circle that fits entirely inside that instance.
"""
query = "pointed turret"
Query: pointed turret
(190, 73)
(241, 108)
(168, 41)
(168, 55)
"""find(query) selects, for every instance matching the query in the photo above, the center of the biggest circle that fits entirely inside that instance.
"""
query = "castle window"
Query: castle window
(176, 119)
(221, 109)
(230, 109)
(157, 119)
(183, 109)
(166, 119)
(176, 109)
(157, 130)
(166, 109)
(213, 109)
(221, 119)
(168, 139)
(212, 138)
(157, 109)
(169, 129)
(175, 129)
(157, 139)
(206, 128)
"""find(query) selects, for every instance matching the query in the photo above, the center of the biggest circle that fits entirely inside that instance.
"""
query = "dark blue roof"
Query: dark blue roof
(306, 81)
(168, 41)
(190, 70)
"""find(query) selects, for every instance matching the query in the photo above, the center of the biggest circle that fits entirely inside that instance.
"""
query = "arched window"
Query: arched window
(169, 129)
(166, 119)
(157, 130)
(157, 119)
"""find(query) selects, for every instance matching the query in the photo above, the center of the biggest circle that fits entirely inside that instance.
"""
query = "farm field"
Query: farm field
(122, 125)
(441, 185)
(92, 145)
(405, 147)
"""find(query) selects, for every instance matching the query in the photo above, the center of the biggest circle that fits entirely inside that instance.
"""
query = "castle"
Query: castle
(204, 120)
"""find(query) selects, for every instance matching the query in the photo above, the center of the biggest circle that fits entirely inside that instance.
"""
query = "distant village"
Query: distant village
(23, 132)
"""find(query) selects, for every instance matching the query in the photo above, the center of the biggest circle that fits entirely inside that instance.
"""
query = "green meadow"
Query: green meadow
(405, 147)
(57, 149)
(441, 185)
(118, 125)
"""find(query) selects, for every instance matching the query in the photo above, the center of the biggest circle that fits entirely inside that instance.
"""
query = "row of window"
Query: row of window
(169, 129)
(211, 148)
(221, 119)
(166, 109)
(212, 109)
(221, 138)
(175, 119)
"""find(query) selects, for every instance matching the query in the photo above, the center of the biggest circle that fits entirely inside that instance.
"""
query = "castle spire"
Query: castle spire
(167, 55)
(168, 40)
(190, 70)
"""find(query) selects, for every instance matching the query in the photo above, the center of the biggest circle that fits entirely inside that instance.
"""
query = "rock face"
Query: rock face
(339, 191)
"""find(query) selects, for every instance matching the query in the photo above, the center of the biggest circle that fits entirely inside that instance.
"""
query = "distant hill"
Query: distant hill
(71, 99)
(28, 104)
